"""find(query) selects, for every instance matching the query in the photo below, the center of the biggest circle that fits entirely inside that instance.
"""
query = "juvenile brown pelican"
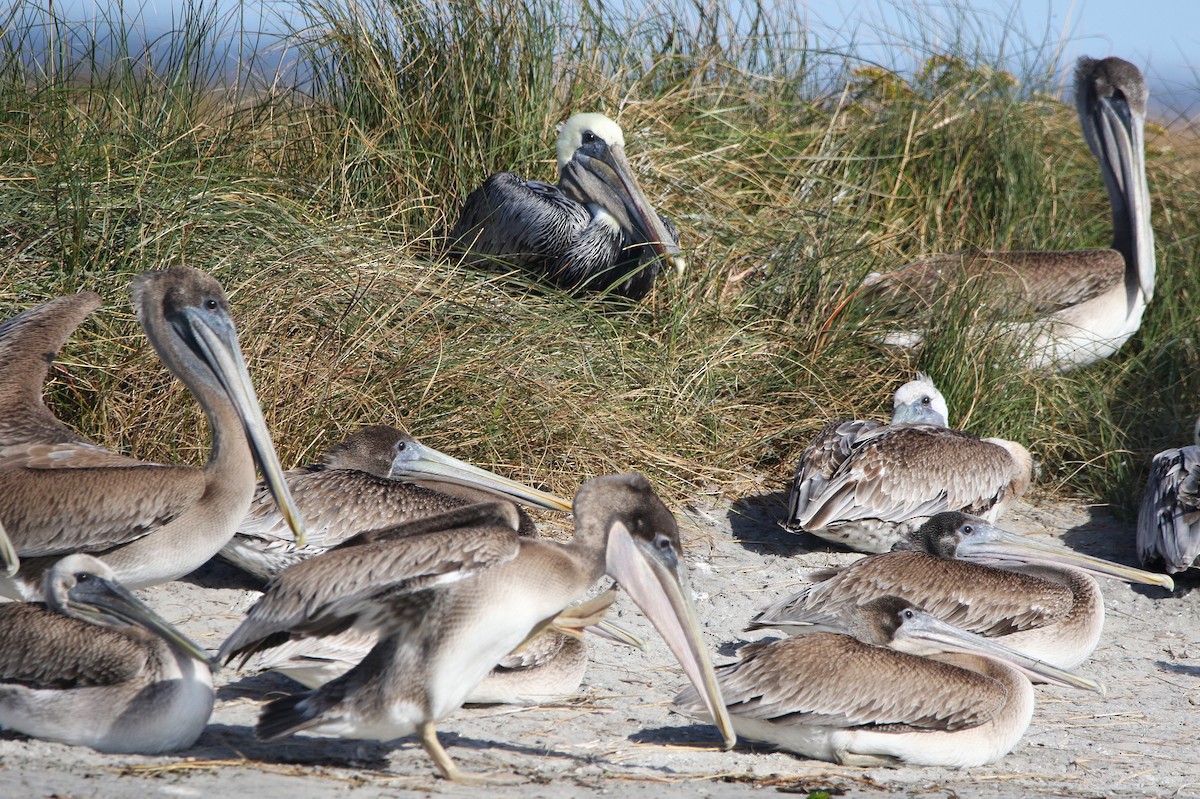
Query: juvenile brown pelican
(1088, 302)
(867, 485)
(595, 230)
(1168, 527)
(1040, 597)
(95, 667)
(28, 343)
(377, 477)
(149, 522)
(869, 698)
(455, 599)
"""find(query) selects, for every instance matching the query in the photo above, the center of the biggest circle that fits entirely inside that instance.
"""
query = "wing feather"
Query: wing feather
(43, 649)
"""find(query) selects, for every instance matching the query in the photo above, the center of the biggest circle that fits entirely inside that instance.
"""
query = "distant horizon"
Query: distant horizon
(1161, 44)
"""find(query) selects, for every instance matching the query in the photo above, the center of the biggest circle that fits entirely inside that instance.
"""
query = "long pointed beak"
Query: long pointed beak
(994, 546)
(658, 584)
(221, 348)
(615, 174)
(109, 602)
(922, 634)
(419, 462)
(8, 553)
(1120, 148)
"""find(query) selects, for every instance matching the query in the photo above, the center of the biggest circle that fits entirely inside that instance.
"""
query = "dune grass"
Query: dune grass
(316, 177)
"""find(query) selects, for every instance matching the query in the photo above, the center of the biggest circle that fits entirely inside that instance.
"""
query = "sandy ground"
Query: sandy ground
(619, 737)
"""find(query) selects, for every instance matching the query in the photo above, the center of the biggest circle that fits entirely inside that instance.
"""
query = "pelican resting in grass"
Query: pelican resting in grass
(1168, 526)
(377, 477)
(450, 602)
(1085, 304)
(149, 522)
(93, 666)
(899, 687)
(1037, 598)
(594, 231)
(867, 486)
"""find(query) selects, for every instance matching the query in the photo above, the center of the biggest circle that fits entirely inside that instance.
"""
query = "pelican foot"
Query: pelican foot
(447, 768)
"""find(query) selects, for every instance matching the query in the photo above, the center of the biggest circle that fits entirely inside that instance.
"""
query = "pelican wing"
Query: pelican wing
(820, 461)
(1040, 282)
(900, 472)
(364, 582)
(835, 680)
(517, 223)
(87, 511)
(1169, 517)
(43, 649)
(336, 504)
(976, 598)
(28, 343)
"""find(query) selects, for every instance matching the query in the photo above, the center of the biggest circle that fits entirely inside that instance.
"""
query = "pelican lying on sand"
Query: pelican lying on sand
(1168, 527)
(868, 486)
(869, 698)
(149, 522)
(95, 667)
(377, 477)
(1039, 597)
(595, 230)
(451, 601)
(1088, 303)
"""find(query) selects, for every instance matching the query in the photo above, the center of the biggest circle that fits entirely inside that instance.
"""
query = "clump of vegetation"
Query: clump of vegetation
(316, 170)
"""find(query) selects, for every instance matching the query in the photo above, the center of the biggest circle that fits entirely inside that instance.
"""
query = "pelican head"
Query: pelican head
(85, 587)
(966, 537)
(594, 170)
(412, 460)
(1110, 96)
(895, 623)
(919, 402)
(644, 555)
(186, 316)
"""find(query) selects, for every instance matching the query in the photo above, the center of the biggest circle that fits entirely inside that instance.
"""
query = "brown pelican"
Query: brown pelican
(28, 343)
(869, 698)
(1039, 597)
(454, 599)
(93, 666)
(149, 522)
(1089, 302)
(1168, 527)
(377, 477)
(867, 485)
(595, 230)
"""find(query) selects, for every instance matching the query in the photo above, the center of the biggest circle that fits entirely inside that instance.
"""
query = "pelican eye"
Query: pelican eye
(967, 529)
(908, 613)
(82, 577)
(662, 542)
(210, 304)
(401, 446)
(589, 137)
(926, 400)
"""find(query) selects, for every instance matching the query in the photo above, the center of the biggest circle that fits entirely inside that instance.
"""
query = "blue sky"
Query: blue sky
(1161, 36)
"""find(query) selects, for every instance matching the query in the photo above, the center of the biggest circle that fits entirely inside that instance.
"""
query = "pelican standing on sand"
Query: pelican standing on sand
(1089, 302)
(93, 666)
(867, 486)
(900, 686)
(1039, 597)
(148, 522)
(454, 599)
(1168, 526)
(594, 231)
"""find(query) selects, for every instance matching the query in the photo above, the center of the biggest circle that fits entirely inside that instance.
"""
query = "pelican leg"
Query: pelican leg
(449, 770)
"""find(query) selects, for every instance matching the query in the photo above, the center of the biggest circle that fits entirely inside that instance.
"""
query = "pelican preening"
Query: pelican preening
(451, 601)
(1039, 597)
(93, 666)
(149, 522)
(1088, 302)
(595, 230)
(377, 477)
(865, 696)
(1168, 525)
(867, 485)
